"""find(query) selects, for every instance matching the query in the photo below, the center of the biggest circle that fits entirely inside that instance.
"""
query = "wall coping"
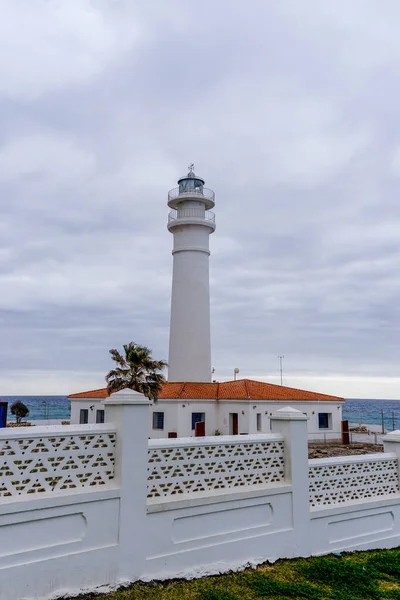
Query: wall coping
(359, 458)
(8, 433)
(216, 497)
(365, 504)
(214, 440)
(44, 500)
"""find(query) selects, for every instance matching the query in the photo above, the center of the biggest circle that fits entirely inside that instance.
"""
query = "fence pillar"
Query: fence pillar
(391, 443)
(128, 410)
(292, 424)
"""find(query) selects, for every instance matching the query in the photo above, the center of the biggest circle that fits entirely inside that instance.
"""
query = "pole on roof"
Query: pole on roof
(281, 369)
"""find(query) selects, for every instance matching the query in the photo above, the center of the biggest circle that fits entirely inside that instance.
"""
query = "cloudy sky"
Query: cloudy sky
(290, 111)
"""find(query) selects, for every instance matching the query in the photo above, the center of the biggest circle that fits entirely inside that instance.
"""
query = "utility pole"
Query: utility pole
(280, 366)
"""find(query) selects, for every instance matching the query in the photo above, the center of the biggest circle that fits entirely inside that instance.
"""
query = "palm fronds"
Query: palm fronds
(136, 370)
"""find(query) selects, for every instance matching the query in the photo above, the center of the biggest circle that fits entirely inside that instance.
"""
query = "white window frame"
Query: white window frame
(329, 421)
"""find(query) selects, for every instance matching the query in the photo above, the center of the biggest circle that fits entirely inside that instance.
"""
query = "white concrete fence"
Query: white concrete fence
(99, 505)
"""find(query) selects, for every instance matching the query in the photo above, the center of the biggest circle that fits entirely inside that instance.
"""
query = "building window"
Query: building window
(258, 421)
(325, 420)
(99, 416)
(158, 420)
(197, 418)
(84, 416)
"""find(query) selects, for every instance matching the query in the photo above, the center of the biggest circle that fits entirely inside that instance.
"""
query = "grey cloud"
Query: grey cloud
(290, 113)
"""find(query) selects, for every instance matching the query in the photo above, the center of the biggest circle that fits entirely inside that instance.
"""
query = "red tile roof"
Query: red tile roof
(242, 389)
(102, 393)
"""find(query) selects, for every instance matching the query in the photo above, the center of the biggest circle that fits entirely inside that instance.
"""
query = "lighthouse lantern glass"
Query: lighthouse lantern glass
(191, 185)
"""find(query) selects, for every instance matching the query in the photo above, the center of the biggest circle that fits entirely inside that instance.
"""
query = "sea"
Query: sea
(41, 408)
(355, 410)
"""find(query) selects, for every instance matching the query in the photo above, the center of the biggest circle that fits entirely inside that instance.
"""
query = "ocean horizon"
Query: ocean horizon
(356, 410)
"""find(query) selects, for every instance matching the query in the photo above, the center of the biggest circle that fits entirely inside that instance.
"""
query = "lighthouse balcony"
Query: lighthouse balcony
(178, 195)
(191, 216)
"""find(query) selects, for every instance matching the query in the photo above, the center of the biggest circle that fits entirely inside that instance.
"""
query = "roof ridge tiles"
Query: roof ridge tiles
(241, 389)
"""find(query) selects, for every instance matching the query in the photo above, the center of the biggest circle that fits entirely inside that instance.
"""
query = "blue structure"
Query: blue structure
(3, 414)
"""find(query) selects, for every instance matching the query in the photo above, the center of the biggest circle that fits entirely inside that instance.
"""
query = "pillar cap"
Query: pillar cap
(393, 436)
(126, 396)
(288, 413)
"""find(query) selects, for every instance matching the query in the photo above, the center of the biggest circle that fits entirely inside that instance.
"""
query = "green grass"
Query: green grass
(373, 575)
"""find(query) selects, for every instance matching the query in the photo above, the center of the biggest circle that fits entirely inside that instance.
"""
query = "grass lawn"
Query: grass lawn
(353, 576)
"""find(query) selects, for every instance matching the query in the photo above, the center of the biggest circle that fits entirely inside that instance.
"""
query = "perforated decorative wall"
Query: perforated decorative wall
(349, 481)
(50, 463)
(195, 469)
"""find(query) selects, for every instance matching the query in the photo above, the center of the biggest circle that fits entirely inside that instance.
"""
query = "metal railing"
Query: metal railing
(204, 193)
(191, 213)
(332, 438)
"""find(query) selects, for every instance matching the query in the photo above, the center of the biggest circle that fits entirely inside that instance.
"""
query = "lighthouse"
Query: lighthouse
(191, 222)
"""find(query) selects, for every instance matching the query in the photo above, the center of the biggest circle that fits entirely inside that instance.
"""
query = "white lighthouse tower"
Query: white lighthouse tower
(191, 223)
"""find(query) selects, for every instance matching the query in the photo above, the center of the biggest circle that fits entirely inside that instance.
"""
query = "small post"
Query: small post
(128, 410)
(391, 443)
(383, 422)
(345, 433)
(293, 425)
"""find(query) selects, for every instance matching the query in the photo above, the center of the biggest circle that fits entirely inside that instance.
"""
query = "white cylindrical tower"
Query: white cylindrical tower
(191, 223)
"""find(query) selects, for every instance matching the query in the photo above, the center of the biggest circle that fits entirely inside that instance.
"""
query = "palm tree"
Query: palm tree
(136, 371)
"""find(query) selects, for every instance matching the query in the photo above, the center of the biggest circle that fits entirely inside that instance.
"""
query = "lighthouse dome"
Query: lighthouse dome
(191, 182)
(191, 187)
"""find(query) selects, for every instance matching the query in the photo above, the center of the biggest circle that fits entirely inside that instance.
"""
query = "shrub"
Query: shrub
(19, 410)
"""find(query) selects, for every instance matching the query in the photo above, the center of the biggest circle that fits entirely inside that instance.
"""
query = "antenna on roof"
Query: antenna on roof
(191, 167)
(280, 367)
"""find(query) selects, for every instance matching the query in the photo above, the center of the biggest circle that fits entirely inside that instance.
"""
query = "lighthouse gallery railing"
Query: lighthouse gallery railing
(191, 213)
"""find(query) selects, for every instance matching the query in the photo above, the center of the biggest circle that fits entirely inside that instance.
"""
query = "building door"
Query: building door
(233, 424)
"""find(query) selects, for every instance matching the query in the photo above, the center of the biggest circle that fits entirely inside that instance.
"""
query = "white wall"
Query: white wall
(170, 410)
(59, 543)
(177, 415)
(225, 408)
(219, 534)
(85, 403)
(202, 518)
(185, 411)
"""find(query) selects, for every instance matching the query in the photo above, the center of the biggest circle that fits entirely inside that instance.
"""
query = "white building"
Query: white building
(232, 407)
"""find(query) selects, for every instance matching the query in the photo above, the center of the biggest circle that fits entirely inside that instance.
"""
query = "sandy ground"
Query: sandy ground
(368, 442)
(317, 451)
